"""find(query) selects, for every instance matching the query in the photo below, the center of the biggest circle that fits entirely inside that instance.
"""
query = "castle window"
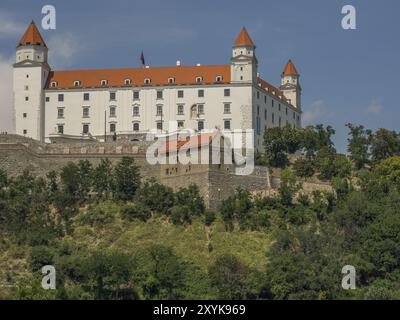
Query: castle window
(200, 109)
(60, 129)
(136, 95)
(227, 108)
(171, 80)
(26, 98)
(218, 78)
(200, 93)
(24, 115)
(159, 125)
(241, 77)
(180, 93)
(280, 121)
(279, 107)
(53, 84)
(25, 131)
(199, 79)
(113, 112)
(273, 103)
(86, 97)
(181, 124)
(159, 94)
(60, 113)
(241, 68)
(258, 110)
(227, 124)
(128, 82)
(136, 126)
(159, 110)
(113, 127)
(258, 94)
(27, 76)
(85, 129)
(200, 125)
(26, 88)
(147, 81)
(265, 114)
(136, 111)
(113, 96)
(180, 110)
(103, 82)
(227, 92)
(77, 83)
(60, 98)
(273, 118)
(294, 115)
(85, 112)
(47, 99)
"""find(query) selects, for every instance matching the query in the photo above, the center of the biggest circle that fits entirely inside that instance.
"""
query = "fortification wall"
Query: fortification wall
(216, 182)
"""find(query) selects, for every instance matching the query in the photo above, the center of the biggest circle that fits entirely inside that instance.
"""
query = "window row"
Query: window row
(136, 95)
(136, 126)
(128, 82)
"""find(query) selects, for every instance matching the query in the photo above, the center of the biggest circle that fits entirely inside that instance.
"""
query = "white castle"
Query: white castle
(130, 102)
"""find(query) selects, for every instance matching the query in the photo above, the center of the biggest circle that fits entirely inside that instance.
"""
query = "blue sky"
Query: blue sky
(346, 75)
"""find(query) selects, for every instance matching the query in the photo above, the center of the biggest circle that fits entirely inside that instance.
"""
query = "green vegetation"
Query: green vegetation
(112, 235)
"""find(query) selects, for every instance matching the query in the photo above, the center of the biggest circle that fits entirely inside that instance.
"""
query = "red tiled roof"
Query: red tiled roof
(192, 142)
(32, 37)
(290, 69)
(273, 90)
(182, 75)
(244, 39)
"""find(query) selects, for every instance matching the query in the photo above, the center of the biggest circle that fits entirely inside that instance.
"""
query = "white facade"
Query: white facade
(44, 108)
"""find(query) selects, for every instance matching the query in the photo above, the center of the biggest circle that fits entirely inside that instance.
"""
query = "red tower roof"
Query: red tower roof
(32, 37)
(290, 69)
(244, 39)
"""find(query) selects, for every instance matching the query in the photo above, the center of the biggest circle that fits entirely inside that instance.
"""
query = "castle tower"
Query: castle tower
(290, 84)
(30, 76)
(244, 62)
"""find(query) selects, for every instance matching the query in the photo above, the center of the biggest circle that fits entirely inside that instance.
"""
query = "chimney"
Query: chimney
(178, 63)
(198, 65)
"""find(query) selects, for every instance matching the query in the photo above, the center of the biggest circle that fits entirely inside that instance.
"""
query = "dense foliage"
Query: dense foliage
(113, 235)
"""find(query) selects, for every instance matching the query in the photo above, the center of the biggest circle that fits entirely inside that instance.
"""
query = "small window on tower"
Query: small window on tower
(104, 82)
(147, 81)
(199, 79)
(171, 80)
(77, 83)
(218, 78)
(53, 84)
(128, 82)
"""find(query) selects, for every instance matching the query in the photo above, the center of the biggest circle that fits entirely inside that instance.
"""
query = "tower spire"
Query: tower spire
(32, 37)
(290, 70)
(243, 39)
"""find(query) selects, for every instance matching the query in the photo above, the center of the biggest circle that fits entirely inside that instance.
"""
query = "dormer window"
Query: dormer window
(171, 80)
(218, 78)
(103, 82)
(128, 82)
(199, 79)
(53, 84)
(77, 83)
(147, 81)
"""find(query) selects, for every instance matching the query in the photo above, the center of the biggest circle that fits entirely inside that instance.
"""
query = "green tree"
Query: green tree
(127, 179)
(359, 145)
(288, 187)
(230, 277)
(103, 179)
(385, 144)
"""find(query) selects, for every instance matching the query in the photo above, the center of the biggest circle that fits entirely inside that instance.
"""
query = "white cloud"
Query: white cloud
(9, 27)
(316, 112)
(374, 108)
(6, 92)
(63, 49)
